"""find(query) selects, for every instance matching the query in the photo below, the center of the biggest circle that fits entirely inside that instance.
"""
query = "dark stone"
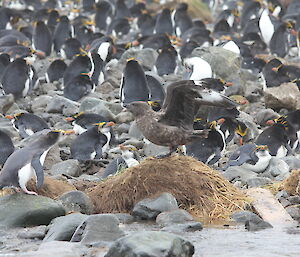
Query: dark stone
(125, 218)
(252, 221)
(99, 228)
(63, 228)
(294, 211)
(295, 199)
(21, 210)
(257, 182)
(68, 167)
(150, 208)
(77, 201)
(151, 244)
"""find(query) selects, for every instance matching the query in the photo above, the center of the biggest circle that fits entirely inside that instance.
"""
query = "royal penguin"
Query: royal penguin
(17, 78)
(27, 123)
(93, 143)
(41, 38)
(62, 32)
(82, 121)
(166, 61)
(197, 69)
(25, 163)
(164, 22)
(6, 147)
(70, 48)
(55, 71)
(134, 85)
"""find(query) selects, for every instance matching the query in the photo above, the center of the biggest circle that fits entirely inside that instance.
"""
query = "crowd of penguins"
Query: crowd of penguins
(81, 37)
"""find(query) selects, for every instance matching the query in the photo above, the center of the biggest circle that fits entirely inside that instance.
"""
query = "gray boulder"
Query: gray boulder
(286, 96)
(97, 229)
(6, 101)
(292, 161)
(294, 211)
(77, 201)
(150, 208)
(258, 182)
(21, 210)
(237, 173)
(38, 232)
(124, 218)
(173, 217)
(60, 104)
(252, 221)
(63, 228)
(95, 105)
(151, 244)
(151, 149)
(278, 169)
(68, 167)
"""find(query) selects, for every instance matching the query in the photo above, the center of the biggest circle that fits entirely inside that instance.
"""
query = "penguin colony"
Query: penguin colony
(179, 100)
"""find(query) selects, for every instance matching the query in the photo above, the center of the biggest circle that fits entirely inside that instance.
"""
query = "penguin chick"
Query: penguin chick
(6, 147)
(78, 87)
(83, 121)
(27, 123)
(93, 143)
(27, 162)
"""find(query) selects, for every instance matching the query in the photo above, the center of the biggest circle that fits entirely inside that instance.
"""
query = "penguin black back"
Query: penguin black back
(42, 39)
(55, 71)
(6, 147)
(164, 22)
(78, 87)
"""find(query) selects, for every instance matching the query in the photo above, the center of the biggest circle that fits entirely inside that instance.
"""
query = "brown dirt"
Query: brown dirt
(197, 188)
(292, 183)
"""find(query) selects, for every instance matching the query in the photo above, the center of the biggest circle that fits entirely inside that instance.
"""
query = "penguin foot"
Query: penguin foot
(30, 192)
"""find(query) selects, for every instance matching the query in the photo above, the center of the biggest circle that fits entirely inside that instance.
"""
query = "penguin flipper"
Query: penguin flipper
(22, 131)
(38, 168)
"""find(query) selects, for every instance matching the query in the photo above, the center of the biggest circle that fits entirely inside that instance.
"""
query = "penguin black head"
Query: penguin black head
(104, 126)
(155, 105)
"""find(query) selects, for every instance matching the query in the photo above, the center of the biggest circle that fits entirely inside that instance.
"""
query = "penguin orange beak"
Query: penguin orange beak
(270, 122)
(69, 119)
(110, 124)
(241, 141)
(277, 68)
(87, 73)
(228, 84)
(9, 117)
(221, 121)
(40, 54)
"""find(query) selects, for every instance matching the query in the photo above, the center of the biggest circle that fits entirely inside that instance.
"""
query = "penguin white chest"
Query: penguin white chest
(25, 174)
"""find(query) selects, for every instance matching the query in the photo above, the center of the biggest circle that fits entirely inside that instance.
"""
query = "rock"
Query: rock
(99, 228)
(151, 244)
(124, 218)
(146, 57)
(52, 157)
(278, 169)
(150, 208)
(77, 201)
(95, 105)
(252, 221)
(60, 104)
(258, 182)
(6, 101)
(292, 161)
(105, 88)
(253, 91)
(124, 117)
(282, 194)
(224, 63)
(262, 116)
(173, 217)
(21, 210)
(186, 227)
(252, 131)
(40, 103)
(151, 149)
(295, 199)
(33, 233)
(286, 96)
(63, 228)
(57, 248)
(122, 128)
(237, 173)
(68, 167)
(294, 211)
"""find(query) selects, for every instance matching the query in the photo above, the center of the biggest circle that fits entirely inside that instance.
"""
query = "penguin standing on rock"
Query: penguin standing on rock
(28, 162)
(134, 85)
(166, 61)
(27, 123)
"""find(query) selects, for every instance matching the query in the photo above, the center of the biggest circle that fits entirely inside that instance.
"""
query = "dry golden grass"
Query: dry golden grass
(197, 188)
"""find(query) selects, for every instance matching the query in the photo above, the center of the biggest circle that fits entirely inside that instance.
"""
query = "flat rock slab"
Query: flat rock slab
(21, 210)
(269, 209)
